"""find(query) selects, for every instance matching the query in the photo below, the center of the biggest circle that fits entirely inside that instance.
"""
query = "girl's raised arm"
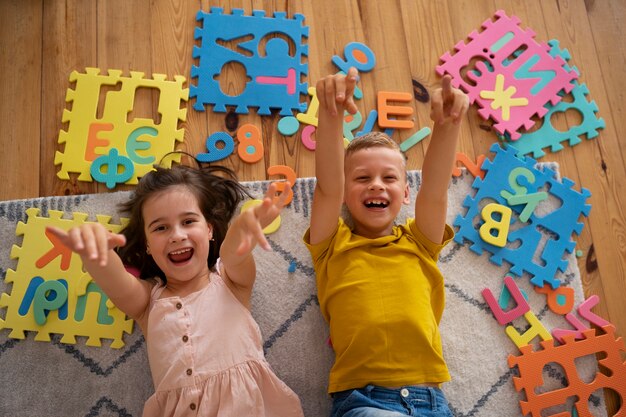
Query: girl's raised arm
(245, 232)
(95, 244)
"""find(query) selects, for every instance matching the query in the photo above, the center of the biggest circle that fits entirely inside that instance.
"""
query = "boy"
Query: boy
(378, 284)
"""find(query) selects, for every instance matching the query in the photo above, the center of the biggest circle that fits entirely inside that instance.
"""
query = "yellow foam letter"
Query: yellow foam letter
(501, 226)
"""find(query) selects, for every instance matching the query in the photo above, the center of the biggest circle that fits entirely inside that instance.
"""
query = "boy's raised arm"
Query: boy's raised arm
(335, 95)
(448, 107)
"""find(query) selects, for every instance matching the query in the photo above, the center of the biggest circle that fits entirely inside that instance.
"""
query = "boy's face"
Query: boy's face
(375, 189)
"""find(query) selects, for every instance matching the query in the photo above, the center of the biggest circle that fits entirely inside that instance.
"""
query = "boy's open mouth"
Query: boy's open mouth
(376, 203)
(180, 255)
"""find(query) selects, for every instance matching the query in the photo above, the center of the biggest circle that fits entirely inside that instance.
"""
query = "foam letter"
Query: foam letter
(385, 109)
(536, 329)
(501, 226)
(503, 317)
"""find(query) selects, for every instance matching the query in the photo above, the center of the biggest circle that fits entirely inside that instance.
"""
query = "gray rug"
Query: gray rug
(53, 378)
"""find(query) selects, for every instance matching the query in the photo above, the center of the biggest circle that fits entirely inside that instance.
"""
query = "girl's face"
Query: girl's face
(375, 189)
(178, 236)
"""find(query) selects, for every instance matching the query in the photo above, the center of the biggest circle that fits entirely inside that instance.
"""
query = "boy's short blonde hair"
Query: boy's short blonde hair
(373, 140)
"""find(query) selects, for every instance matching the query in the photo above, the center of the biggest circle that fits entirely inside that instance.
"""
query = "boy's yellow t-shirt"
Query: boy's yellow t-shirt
(383, 299)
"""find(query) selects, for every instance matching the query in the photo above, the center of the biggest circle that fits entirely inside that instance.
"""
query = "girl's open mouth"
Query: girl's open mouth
(180, 255)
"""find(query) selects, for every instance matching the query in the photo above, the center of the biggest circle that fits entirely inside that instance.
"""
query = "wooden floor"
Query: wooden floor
(41, 42)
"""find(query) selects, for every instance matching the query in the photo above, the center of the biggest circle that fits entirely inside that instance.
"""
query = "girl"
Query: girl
(193, 299)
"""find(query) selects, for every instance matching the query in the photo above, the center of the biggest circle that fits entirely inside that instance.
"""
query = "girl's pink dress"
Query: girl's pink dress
(206, 357)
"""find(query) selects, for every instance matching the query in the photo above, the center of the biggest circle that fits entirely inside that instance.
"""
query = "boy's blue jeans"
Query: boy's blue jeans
(374, 401)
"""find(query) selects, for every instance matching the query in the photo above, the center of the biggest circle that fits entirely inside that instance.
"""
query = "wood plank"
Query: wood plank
(20, 108)
(327, 39)
(606, 20)
(172, 41)
(599, 162)
(69, 45)
(123, 43)
(429, 35)
(393, 72)
(601, 166)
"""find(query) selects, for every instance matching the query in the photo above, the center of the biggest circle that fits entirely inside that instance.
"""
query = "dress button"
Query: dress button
(404, 392)
(185, 338)
(179, 306)
(189, 371)
(192, 406)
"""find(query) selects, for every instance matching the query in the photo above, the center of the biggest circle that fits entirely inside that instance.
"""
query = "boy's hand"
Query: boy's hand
(91, 241)
(254, 220)
(448, 104)
(335, 93)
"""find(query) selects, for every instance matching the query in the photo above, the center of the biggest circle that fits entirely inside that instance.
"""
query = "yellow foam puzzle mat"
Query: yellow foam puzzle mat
(111, 148)
(51, 293)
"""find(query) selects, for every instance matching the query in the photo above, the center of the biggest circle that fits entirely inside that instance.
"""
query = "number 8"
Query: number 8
(250, 147)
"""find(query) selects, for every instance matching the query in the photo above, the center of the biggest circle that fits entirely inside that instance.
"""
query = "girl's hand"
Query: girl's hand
(448, 104)
(254, 220)
(92, 241)
(336, 93)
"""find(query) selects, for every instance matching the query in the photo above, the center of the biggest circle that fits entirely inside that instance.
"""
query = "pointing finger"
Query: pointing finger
(446, 87)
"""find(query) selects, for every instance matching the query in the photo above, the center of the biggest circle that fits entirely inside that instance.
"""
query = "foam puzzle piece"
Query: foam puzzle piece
(385, 110)
(521, 304)
(45, 302)
(554, 229)
(547, 136)
(531, 364)
(270, 228)
(215, 152)
(491, 225)
(535, 329)
(351, 122)
(274, 73)
(289, 175)
(559, 334)
(140, 141)
(473, 168)
(536, 75)
(309, 116)
(307, 137)
(356, 54)
(250, 148)
(559, 300)
(112, 169)
(368, 126)
(415, 138)
(584, 309)
(288, 125)
(502, 98)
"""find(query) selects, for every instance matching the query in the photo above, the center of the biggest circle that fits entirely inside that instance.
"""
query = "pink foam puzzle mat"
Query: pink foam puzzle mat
(547, 137)
(507, 73)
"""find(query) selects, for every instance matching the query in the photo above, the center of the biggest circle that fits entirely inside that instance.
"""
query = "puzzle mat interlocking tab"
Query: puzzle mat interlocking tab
(65, 266)
(117, 131)
(549, 233)
(547, 136)
(534, 75)
(274, 74)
